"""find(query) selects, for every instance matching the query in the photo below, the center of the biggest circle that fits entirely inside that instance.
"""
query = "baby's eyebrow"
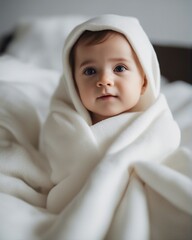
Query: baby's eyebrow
(90, 61)
(86, 62)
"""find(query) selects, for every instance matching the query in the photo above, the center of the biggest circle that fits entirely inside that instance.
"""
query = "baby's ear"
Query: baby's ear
(144, 85)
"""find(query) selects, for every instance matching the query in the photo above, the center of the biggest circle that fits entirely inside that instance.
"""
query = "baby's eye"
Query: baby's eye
(120, 68)
(89, 71)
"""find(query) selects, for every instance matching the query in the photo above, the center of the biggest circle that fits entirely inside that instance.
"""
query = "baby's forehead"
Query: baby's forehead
(107, 40)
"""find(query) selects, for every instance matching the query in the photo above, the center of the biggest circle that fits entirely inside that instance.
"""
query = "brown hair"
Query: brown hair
(89, 38)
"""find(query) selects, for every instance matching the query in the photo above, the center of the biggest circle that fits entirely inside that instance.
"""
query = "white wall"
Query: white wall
(165, 21)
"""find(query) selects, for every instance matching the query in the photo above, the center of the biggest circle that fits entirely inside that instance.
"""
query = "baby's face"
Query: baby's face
(109, 77)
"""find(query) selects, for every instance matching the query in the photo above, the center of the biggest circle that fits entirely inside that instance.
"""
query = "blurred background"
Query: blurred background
(165, 21)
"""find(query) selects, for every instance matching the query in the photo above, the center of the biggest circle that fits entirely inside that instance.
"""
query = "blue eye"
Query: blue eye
(120, 68)
(89, 71)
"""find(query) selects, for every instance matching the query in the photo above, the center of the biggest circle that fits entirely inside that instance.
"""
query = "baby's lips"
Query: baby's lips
(103, 96)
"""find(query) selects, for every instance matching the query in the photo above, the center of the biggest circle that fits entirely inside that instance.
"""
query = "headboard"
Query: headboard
(175, 62)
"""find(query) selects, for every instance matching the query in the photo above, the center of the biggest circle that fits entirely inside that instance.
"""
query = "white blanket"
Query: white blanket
(94, 182)
(130, 184)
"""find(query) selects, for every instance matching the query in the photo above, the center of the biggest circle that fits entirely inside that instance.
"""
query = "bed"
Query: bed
(30, 68)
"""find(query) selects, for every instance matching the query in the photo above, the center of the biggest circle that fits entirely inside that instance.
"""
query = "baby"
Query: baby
(107, 129)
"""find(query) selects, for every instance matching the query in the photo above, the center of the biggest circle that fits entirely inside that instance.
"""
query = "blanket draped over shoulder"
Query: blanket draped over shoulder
(122, 178)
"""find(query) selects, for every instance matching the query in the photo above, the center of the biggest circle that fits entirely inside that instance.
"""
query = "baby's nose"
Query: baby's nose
(105, 80)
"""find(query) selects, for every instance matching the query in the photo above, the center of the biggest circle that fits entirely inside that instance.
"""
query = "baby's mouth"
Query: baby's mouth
(106, 96)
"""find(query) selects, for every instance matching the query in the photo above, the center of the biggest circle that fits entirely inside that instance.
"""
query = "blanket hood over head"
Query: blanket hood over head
(139, 41)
